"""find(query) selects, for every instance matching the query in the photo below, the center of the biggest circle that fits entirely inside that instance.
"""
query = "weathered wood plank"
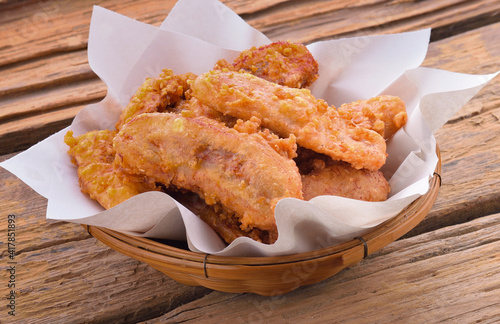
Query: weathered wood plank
(242, 7)
(85, 281)
(303, 22)
(35, 29)
(41, 28)
(471, 175)
(62, 96)
(21, 134)
(33, 231)
(30, 118)
(450, 274)
(50, 72)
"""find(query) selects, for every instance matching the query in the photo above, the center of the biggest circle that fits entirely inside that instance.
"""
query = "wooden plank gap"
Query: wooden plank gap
(32, 130)
(29, 56)
(468, 211)
(20, 90)
(465, 25)
(57, 98)
(247, 7)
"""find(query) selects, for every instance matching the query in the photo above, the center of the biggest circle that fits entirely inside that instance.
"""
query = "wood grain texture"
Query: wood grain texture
(53, 26)
(40, 36)
(52, 71)
(303, 22)
(86, 281)
(429, 278)
(58, 26)
(24, 133)
(34, 231)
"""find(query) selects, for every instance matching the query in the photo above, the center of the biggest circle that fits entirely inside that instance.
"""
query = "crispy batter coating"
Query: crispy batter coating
(284, 146)
(109, 186)
(323, 176)
(156, 94)
(239, 171)
(92, 147)
(340, 179)
(285, 63)
(288, 111)
(194, 108)
(94, 154)
(384, 114)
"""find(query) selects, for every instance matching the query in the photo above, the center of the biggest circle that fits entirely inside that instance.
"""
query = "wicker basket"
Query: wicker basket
(267, 275)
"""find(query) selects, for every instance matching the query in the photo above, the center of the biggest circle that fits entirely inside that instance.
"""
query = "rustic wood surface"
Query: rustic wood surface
(444, 270)
(410, 281)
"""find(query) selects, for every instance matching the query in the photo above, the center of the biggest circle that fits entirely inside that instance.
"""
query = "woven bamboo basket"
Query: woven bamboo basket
(268, 276)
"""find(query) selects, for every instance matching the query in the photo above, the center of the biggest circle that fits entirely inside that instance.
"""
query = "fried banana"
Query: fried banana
(92, 147)
(285, 63)
(288, 111)
(156, 94)
(226, 224)
(383, 114)
(94, 155)
(240, 171)
(340, 179)
(109, 186)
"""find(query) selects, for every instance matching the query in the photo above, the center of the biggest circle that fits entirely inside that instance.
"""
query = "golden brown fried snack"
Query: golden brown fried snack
(286, 63)
(284, 146)
(194, 108)
(340, 179)
(384, 114)
(92, 147)
(156, 94)
(94, 154)
(323, 176)
(288, 111)
(110, 186)
(239, 171)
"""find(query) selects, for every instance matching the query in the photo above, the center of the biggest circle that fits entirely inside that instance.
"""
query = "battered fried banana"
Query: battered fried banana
(110, 186)
(156, 94)
(284, 146)
(285, 63)
(225, 224)
(92, 147)
(288, 111)
(384, 114)
(240, 171)
(340, 179)
(194, 108)
(94, 155)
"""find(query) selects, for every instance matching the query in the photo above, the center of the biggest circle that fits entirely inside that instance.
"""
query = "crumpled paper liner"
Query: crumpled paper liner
(196, 33)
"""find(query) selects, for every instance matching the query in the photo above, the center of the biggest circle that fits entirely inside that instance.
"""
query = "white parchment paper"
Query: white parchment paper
(124, 52)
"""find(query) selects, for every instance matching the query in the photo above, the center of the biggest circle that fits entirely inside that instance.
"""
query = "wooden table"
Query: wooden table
(446, 269)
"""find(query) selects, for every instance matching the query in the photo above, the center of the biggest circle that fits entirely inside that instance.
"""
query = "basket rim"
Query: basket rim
(368, 242)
